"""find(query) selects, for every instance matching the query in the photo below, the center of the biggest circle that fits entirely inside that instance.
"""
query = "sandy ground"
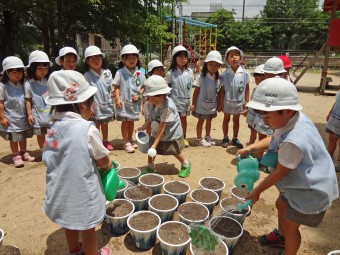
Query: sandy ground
(22, 190)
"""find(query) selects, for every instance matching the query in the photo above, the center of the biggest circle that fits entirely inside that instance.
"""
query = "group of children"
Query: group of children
(74, 199)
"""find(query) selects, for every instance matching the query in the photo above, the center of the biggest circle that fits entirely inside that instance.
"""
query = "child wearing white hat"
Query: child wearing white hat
(38, 113)
(167, 134)
(68, 58)
(204, 101)
(73, 153)
(14, 126)
(235, 94)
(274, 67)
(155, 67)
(303, 170)
(100, 77)
(181, 78)
(129, 87)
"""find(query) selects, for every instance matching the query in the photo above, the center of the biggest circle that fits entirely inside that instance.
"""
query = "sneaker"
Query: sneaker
(337, 165)
(236, 142)
(186, 143)
(148, 170)
(104, 251)
(225, 142)
(108, 145)
(210, 140)
(185, 170)
(17, 161)
(134, 144)
(272, 239)
(27, 157)
(128, 147)
(202, 142)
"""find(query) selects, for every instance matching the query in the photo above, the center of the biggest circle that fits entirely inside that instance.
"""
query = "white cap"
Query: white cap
(153, 64)
(129, 49)
(63, 52)
(259, 69)
(274, 94)
(177, 49)
(156, 85)
(11, 62)
(68, 87)
(93, 51)
(38, 56)
(274, 65)
(214, 56)
(233, 48)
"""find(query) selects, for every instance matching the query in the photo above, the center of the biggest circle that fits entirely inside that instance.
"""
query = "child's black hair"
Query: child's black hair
(121, 63)
(173, 65)
(31, 70)
(205, 71)
(71, 107)
(5, 77)
(87, 66)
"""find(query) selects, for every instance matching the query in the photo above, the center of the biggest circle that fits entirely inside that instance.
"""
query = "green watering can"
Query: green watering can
(247, 174)
(111, 183)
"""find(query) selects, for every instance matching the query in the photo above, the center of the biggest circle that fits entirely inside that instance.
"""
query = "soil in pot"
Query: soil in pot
(176, 187)
(220, 249)
(226, 227)
(203, 196)
(144, 221)
(151, 179)
(118, 208)
(127, 172)
(174, 233)
(163, 202)
(239, 192)
(193, 211)
(212, 183)
(138, 192)
(232, 202)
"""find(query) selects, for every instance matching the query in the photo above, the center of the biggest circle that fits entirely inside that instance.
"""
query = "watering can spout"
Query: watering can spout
(111, 182)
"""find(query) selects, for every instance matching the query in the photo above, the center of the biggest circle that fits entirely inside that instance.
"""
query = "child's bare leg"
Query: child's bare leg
(23, 145)
(41, 141)
(14, 147)
(332, 140)
(124, 130)
(72, 239)
(292, 237)
(225, 124)
(181, 158)
(184, 125)
(281, 206)
(89, 240)
(236, 124)
(105, 131)
(207, 127)
(130, 129)
(199, 128)
(252, 137)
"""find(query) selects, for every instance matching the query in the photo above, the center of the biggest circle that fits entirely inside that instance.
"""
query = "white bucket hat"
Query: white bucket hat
(68, 87)
(233, 48)
(38, 56)
(153, 64)
(129, 49)
(274, 65)
(274, 94)
(11, 62)
(177, 49)
(156, 85)
(259, 69)
(93, 51)
(63, 52)
(214, 56)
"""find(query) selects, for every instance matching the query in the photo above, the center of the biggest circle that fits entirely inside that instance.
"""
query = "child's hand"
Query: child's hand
(254, 196)
(135, 99)
(192, 107)
(243, 152)
(244, 113)
(119, 103)
(30, 119)
(4, 121)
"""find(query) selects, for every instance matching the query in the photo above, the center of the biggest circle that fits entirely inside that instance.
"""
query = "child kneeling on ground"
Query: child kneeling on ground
(166, 131)
(304, 174)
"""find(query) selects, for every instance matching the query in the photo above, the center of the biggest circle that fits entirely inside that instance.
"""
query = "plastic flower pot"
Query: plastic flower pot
(227, 229)
(139, 195)
(173, 237)
(334, 252)
(214, 184)
(153, 181)
(123, 208)
(193, 213)
(178, 189)
(120, 191)
(164, 205)
(143, 226)
(239, 193)
(142, 139)
(220, 249)
(229, 208)
(2, 234)
(206, 197)
(130, 174)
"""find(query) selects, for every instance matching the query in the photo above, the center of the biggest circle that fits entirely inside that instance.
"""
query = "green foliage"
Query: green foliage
(156, 30)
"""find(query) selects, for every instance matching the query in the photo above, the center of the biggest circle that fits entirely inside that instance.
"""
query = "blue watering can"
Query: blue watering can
(111, 183)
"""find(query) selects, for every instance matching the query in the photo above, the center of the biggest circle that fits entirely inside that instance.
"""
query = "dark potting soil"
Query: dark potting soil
(138, 192)
(173, 233)
(9, 250)
(225, 227)
(151, 179)
(219, 250)
(193, 211)
(118, 208)
(211, 183)
(163, 202)
(232, 202)
(240, 192)
(128, 172)
(144, 221)
(204, 196)
(176, 187)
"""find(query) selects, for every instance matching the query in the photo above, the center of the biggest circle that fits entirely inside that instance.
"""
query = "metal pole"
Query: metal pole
(243, 10)
(147, 59)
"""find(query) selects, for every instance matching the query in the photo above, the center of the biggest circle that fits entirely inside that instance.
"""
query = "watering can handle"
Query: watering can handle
(114, 164)
(239, 157)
